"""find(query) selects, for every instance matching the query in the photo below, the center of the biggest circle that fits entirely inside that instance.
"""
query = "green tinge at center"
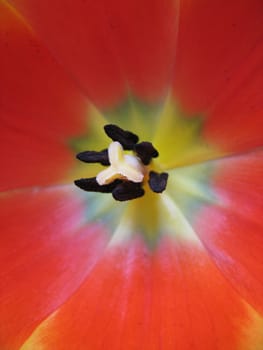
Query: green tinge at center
(178, 139)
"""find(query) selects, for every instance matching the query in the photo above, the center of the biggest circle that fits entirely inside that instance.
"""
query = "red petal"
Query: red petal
(134, 299)
(145, 35)
(234, 236)
(77, 33)
(45, 254)
(40, 109)
(235, 122)
(110, 47)
(219, 69)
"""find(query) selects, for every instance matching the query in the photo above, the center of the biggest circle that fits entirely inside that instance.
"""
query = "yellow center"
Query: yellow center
(183, 153)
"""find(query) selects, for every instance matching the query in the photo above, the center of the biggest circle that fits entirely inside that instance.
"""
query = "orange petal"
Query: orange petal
(137, 299)
(234, 235)
(40, 108)
(45, 255)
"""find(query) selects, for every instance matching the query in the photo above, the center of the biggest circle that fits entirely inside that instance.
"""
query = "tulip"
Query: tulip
(178, 264)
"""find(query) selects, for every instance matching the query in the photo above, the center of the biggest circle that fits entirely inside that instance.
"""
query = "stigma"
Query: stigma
(122, 166)
(126, 173)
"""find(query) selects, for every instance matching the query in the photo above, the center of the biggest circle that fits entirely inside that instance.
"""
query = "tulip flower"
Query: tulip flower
(172, 257)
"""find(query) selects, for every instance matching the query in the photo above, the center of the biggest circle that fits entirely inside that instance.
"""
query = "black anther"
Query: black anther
(127, 190)
(126, 138)
(145, 151)
(123, 190)
(94, 157)
(158, 182)
(91, 185)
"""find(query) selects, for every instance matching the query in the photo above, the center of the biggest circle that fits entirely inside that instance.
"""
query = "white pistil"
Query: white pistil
(122, 166)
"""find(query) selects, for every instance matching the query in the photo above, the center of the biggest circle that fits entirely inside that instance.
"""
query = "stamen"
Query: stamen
(94, 157)
(127, 190)
(126, 138)
(145, 151)
(158, 182)
(125, 175)
(91, 185)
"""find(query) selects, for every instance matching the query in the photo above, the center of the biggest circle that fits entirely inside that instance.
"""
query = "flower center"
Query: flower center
(126, 174)
(122, 166)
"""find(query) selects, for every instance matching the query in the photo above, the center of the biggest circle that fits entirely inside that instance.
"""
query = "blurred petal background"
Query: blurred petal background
(182, 270)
